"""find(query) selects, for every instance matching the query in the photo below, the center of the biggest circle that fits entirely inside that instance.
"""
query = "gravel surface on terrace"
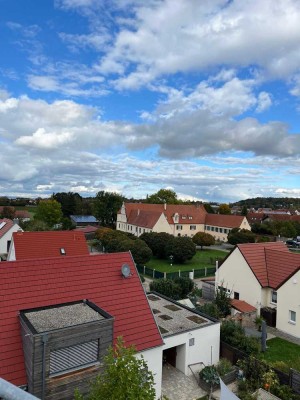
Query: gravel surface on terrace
(62, 317)
(172, 318)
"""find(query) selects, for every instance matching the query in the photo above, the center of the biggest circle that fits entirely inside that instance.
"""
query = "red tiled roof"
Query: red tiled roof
(29, 245)
(242, 306)
(8, 224)
(22, 214)
(255, 217)
(145, 219)
(37, 283)
(86, 229)
(272, 263)
(225, 221)
(196, 212)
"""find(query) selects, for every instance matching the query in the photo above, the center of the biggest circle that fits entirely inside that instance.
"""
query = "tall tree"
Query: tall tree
(181, 248)
(163, 196)
(237, 235)
(224, 209)
(208, 208)
(203, 239)
(106, 207)
(49, 211)
(125, 377)
(70, 202)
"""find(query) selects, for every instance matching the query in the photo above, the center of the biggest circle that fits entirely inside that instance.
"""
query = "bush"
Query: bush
(210, 375)
(234, 335)
(186, 284)
(224, 366)
(210, 309)
(166, 287)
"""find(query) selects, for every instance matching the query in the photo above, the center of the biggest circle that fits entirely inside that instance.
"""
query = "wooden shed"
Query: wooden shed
(64, 346)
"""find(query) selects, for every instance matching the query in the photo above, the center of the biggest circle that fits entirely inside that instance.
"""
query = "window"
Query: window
(225, 230)
(236, 295)
(208, 228)
(190, 217)
(191, 341)
(292, 317)
(212, 229)
(74, 357)
(221, 230)
(274, 297)
(179, 227)
(192, 227)
(217, 229)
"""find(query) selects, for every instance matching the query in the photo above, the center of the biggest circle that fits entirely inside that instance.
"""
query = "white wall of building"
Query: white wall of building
(288, 299)
(153, 358)
(236, 275)
(7, 237)
(205, 349)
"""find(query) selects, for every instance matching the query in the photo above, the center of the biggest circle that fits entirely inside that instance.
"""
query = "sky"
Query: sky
(131, 96)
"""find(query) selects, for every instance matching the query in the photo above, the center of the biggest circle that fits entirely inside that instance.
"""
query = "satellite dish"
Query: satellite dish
(125, 270)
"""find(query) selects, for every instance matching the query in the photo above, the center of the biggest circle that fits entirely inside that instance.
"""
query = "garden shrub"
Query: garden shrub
(224, 366)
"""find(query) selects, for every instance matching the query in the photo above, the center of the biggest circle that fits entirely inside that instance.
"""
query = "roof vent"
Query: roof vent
(62, 251)
(126, 271)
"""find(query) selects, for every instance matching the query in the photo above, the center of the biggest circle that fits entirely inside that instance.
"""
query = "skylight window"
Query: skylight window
(62, 251)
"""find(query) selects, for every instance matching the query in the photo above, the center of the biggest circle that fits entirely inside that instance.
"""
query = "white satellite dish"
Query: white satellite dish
(125, 270)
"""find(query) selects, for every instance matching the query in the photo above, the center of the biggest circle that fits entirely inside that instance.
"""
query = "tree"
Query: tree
(208, 208)
(203, 239)
(8, 212)
(244, 210)
(141, 253)
(70, 203)
(106, 207)
(49, 211)
(163, 196)
(181, 248)
(125, 377)
(157, 242)
(237, 235)
(223, 301)
(224, 209)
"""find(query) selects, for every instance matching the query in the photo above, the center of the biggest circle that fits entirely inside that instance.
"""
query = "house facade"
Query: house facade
(177, 220)
(266, 276)
(7, 228)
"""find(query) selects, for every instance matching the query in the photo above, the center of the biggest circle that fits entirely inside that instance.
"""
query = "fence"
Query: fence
(233, 354)
(195, 273)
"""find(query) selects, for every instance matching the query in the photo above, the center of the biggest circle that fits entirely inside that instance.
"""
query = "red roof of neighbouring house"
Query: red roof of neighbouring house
(47, 244)
(22, 214)
(188, 214)
(255, 217)
(242, 306)
(43, 282)
(145, 219)
(5, 225)
(225, 221)
(272, 263)
(86, 229)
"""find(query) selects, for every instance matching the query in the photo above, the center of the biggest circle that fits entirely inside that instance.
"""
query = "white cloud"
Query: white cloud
(264, 101)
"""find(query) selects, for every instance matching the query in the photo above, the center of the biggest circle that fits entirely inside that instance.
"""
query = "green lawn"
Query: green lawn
(201, 260)
(284, 351)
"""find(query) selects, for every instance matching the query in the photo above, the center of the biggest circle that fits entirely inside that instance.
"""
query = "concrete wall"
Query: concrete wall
(236, 275)
(153, 358)
(205, 348)
(288, 299)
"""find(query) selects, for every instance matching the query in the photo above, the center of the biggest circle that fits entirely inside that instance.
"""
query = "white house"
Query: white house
(7, 228)
(265, 275)
(177, 220)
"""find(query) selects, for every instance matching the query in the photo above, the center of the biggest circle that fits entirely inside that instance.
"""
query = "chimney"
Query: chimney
(165, 206)
(138, 212)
